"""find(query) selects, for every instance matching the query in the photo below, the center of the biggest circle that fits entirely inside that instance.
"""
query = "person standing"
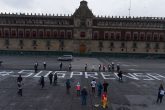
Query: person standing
(61, 66)
(35, 67)
(105, 85)
(109, 67)
(68, 86)
(85, 67)
(120, 75)
(19, 83)
(93, 85)
(84, 95)
(118, 68)
(19, 79)
(20, 88)
(99, 67)
(55, 78)
(44, 64)
(104, 68)
(78, 88)
(42, 82)
(70, 67)
(99, 88)
(50, 78)
(161, 93)
(113, 66)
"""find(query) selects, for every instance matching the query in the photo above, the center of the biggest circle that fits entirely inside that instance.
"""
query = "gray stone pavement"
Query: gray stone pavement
(130, 94)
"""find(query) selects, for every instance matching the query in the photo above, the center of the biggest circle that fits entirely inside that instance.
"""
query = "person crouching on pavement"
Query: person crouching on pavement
(78, 87)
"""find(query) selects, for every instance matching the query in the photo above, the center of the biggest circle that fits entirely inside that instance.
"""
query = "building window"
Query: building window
(48, 34)
(161, 38)
(112, 36)
(28, 34)
(69, 35)
(34, 34)
(82, 34)
(106, 35)
(20, 34)
(148, 37)
(142, 36)
(118, 36)
(135, 36)
(95, 35)
(6, 33)
(128, 36)
(41, 34)
(55, 34)
(13, 33)
(62, 35)
(155, 37)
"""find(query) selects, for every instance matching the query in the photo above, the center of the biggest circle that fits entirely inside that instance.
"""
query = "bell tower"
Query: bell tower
(83, 20)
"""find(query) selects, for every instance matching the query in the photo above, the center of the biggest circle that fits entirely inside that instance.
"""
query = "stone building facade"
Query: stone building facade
(82, 32)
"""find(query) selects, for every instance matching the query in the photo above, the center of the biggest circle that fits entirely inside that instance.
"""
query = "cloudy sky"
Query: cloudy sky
(154, 8)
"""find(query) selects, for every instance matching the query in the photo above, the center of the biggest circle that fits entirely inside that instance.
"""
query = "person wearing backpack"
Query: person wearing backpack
(161, 93)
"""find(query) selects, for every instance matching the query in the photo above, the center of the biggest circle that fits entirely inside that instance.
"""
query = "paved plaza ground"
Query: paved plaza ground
(138, 91)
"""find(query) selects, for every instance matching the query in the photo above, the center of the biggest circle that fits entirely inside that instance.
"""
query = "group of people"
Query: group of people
(101, 91)
(36, 66)
(110, 67)
(52, 80)
(45, 66)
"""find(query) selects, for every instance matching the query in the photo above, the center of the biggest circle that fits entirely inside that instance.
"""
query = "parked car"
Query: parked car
(65, 58)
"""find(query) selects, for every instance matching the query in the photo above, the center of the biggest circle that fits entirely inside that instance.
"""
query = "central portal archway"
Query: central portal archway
(82, 48)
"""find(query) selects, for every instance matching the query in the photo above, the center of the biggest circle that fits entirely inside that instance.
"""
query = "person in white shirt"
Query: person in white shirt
(93, 85)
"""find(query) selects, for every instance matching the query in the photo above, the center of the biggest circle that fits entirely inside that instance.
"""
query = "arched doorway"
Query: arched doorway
(82, 48)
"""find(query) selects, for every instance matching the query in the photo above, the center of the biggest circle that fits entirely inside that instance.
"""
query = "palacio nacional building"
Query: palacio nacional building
(82, 32)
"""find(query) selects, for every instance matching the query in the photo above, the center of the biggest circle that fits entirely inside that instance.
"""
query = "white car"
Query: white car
(65, 58)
